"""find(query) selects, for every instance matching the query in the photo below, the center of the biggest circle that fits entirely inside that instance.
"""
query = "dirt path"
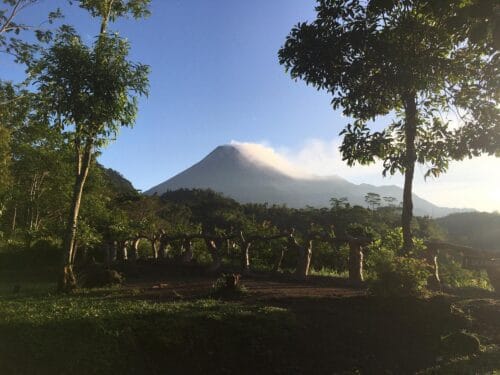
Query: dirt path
(173, 287)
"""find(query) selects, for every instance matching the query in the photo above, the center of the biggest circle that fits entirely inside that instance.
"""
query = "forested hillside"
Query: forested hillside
(480, 230)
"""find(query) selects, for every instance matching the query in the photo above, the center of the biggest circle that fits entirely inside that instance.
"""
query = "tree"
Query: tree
(390, 201)
(89, 92)
(373, 200)
(4, 166)
(339, 203)
(21, 51)
(10, 29)
(430, 65)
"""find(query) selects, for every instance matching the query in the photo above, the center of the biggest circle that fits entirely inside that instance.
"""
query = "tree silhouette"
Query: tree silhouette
(373, 200)
(390, 201)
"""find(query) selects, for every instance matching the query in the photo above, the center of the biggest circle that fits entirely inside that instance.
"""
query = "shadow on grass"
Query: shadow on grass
(68, 336)
(122, 331)
(88, 334)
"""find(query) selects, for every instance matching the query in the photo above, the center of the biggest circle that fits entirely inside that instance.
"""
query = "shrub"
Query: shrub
(453, 275)
(394, 275)
(400, 276)
(43, 253)
(228, 286)
(96, 276)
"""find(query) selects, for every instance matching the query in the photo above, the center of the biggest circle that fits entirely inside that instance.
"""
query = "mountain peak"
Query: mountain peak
(251, 173)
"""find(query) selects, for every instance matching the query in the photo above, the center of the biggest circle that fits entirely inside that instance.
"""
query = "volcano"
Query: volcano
(236, 172)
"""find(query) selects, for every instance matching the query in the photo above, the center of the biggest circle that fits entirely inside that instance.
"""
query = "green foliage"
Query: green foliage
(89, 92)
(452, 274)
(414, 61)
(96, 276)
(329, 260)
(339, 203)
(399, 276)
(212, 210)
(373, 200)
(129, 336)
(115, 8)
(42, 254)
(120, 332)
(5, 178)
(228, 286)
(393, 275)
(369, 59)
(12, 31)
(120, 184)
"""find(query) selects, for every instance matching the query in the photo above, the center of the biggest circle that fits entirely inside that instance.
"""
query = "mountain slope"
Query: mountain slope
(234, 172)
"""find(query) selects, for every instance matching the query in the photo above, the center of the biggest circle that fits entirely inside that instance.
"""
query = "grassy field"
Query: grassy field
(277, 327)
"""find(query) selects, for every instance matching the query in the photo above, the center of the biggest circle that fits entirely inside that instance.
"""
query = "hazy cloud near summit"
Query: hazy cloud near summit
(262, 153)
(473, 183)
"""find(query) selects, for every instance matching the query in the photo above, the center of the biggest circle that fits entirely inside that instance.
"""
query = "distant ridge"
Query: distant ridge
(232, 171)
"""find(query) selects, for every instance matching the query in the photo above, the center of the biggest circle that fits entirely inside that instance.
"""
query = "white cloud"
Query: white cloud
(266, 155)
(323, 158)
(473, 183)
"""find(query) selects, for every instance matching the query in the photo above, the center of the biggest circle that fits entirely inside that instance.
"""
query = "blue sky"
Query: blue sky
(216, 78)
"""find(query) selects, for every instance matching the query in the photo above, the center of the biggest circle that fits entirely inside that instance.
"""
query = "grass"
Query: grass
(85, 334)
(117, 331)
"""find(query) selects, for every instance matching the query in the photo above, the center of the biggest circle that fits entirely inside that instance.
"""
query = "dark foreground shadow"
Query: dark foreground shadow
(88, 335)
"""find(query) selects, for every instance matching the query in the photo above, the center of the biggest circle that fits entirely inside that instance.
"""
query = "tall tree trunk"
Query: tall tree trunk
(134, 254)
(245, 251)
(163, 250)
(113, 252)
(410, 159)
(355, 262)
(279, 259)
(14, 217)
(154, 247)
(245, 259)
(75, 251)
(187, 255)
(121, 254)
(304, 259)
(67, 279)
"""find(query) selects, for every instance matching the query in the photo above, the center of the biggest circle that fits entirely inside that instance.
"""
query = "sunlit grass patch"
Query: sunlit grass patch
(325, 271)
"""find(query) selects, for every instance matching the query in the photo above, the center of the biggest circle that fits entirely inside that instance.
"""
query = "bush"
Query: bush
(42, 253)
(400, 276)
(96, 276)
(228, 286)
(394, 275)
(453, 275)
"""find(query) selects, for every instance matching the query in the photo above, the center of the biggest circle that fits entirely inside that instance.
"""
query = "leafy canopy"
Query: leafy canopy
(90, 91)
(11, 29)
(113, 9)
(375, 56)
